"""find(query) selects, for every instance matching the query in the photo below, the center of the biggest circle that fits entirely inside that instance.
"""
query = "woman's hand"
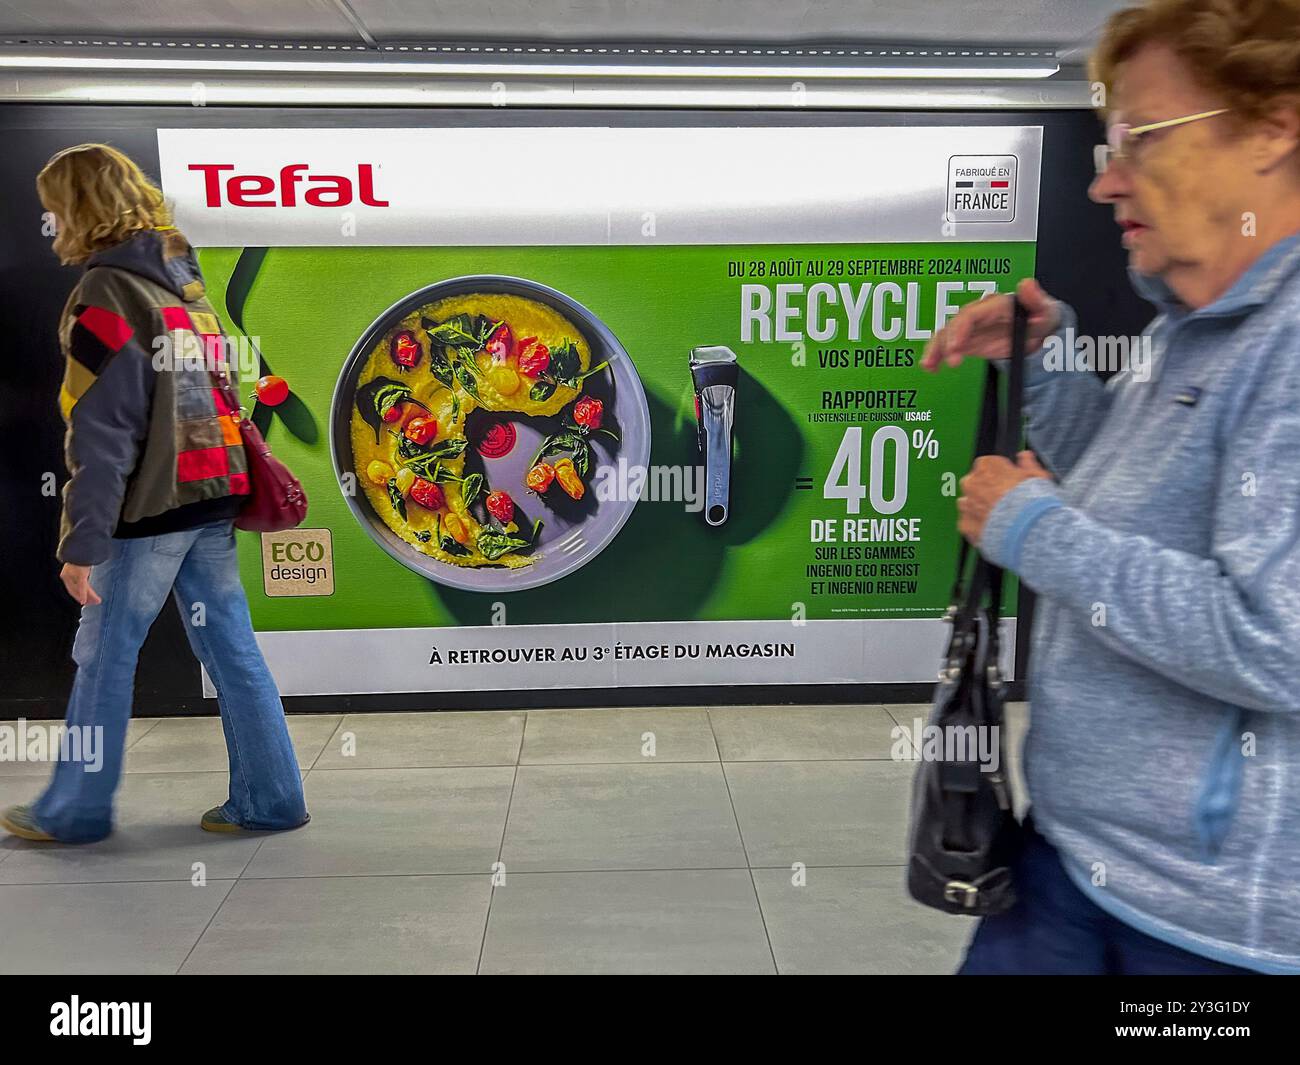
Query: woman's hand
(982, 330)
(76, 579)
(989, 480)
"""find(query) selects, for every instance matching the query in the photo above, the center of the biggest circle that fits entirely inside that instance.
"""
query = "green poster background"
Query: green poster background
(308, 306)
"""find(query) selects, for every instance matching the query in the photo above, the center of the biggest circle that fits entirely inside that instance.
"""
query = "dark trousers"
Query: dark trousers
(1054, 928)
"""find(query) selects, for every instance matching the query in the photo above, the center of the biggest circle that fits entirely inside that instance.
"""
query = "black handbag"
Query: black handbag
(964, 836)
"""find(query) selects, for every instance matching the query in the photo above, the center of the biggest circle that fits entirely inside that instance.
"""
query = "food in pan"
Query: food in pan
(415, 396)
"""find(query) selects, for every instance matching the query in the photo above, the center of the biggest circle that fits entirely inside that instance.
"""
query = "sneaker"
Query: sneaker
(215, 820)
(18, 821)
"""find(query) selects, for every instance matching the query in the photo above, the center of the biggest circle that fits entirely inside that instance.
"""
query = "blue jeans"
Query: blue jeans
(1055, 929)
(199, 567)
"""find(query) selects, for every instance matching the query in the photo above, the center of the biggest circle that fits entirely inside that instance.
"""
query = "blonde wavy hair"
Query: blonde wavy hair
(1247, 51)
(99, 197)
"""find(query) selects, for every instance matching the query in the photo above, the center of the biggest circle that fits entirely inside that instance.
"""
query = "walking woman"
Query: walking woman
(1163, 754)
(158, 474)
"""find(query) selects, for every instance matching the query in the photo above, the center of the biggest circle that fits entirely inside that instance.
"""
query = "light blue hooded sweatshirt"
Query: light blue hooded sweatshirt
(1163, 755)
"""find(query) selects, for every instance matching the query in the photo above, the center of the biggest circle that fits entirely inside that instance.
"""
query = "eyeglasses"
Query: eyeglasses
(1122, 139)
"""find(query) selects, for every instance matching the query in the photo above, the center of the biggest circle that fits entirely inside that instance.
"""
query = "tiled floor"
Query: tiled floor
(737, 839)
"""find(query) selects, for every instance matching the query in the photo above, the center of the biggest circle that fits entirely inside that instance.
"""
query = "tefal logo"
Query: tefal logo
(266, 190)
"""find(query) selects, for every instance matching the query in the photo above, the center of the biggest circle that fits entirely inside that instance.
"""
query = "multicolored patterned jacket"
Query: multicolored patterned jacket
(151, 444)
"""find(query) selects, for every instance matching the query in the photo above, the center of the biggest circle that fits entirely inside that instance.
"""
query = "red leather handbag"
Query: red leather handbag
(276, 500)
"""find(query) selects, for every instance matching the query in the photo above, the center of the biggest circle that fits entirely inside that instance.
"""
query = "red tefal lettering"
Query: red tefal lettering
(211, 180)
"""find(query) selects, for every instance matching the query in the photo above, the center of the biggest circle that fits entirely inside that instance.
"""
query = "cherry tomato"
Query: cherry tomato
(421, 430)
(272, 390)
(428, 494)
(404, 348)
(588, 412)
(394, 413)
(536, 361)
(501, 343)
(501, 507)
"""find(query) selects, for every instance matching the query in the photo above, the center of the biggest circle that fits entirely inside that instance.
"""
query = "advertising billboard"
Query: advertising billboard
(604, 407)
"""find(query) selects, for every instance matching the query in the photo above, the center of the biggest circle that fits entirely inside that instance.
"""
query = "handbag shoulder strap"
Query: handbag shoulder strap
(222, 382)
(997, 433)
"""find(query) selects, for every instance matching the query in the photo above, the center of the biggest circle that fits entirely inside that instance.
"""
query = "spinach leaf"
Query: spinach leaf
(395, 497)
(471, 488)
(426, 461)
(567, 440)
(466, 379)
(376, 398)
(449, 449)
(456, 331)
(406, 449)
(582, 459)
(440, 365)
(566, 364)
(443, 449)
(492, 545)
(423, 535)
(451, 546)
(485, 327)
(542, 390)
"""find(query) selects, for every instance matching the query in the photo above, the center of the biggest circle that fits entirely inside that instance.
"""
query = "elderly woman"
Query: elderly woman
(1163, 536)
(158, 474)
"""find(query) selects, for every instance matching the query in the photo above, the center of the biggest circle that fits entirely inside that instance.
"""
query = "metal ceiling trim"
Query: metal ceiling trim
(524, 49)
(486, 92)
(106, 70)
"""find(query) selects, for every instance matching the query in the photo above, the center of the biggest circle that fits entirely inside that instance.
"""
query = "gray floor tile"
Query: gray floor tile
(702, 921)
(136, 730)
(856, 921)
(907, 713)
(596, 736)
(394, 821)
(424, 741)
(778, 733)
(829, 796)
(198, 745)
(822, 813)
(157, 837)
(673, 816)
(139, 728)
(385, 924)
(103, 928)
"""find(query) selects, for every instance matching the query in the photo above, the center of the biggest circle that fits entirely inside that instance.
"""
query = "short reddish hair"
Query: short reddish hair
(1248, 51)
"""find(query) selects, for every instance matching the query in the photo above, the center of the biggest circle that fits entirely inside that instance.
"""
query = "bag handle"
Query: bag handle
(995, 435)
(222, 382)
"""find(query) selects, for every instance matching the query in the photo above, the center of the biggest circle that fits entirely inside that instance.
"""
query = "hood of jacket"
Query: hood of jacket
(162, 255)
